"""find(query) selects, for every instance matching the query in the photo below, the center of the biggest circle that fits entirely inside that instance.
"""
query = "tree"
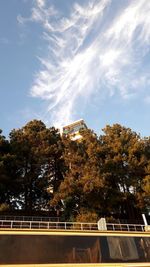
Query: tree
(81, 189)
(6, 173)
(38, 153)
(88, 178)
(123, 168)
(144, 195)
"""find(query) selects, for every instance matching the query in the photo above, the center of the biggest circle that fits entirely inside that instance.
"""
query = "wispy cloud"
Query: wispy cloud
(93, 48)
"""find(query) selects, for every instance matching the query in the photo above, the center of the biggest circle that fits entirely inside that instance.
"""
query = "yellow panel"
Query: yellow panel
(82, 265)
(70, 232)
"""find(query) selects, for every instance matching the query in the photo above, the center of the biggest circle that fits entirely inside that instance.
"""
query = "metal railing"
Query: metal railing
(16, 224)
(47, 225)
(125, 227)
(28, 218)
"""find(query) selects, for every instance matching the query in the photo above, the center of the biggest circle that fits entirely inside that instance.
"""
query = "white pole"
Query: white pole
(144, 219)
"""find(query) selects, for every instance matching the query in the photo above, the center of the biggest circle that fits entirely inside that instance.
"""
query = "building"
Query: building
(73, 130)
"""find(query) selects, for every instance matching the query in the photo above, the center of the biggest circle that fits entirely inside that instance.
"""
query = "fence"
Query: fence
(24, 224)
(29, 218)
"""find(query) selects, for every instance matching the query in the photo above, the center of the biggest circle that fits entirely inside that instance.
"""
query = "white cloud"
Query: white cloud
(89, 50)
(39, 13)
(40, 3)
(134, 16)
(109, 57)
(20, 19)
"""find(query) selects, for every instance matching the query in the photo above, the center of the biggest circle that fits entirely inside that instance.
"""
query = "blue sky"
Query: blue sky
(62, 60)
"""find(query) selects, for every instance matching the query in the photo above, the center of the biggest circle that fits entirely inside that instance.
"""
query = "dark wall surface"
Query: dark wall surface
(42, 249)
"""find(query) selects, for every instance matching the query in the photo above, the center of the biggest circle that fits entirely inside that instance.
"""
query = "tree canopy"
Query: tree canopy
(106, 175)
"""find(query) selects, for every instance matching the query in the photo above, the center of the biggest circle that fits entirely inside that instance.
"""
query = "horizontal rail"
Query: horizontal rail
(47, 225)
(28, 218)
(16, 224)
(125, 227)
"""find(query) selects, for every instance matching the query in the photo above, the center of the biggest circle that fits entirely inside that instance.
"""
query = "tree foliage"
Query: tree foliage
(123, 167)
(6, 171)
(38, 152)
(96, 176)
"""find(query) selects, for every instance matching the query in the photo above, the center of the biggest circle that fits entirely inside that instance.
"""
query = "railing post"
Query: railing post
(144, 219)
